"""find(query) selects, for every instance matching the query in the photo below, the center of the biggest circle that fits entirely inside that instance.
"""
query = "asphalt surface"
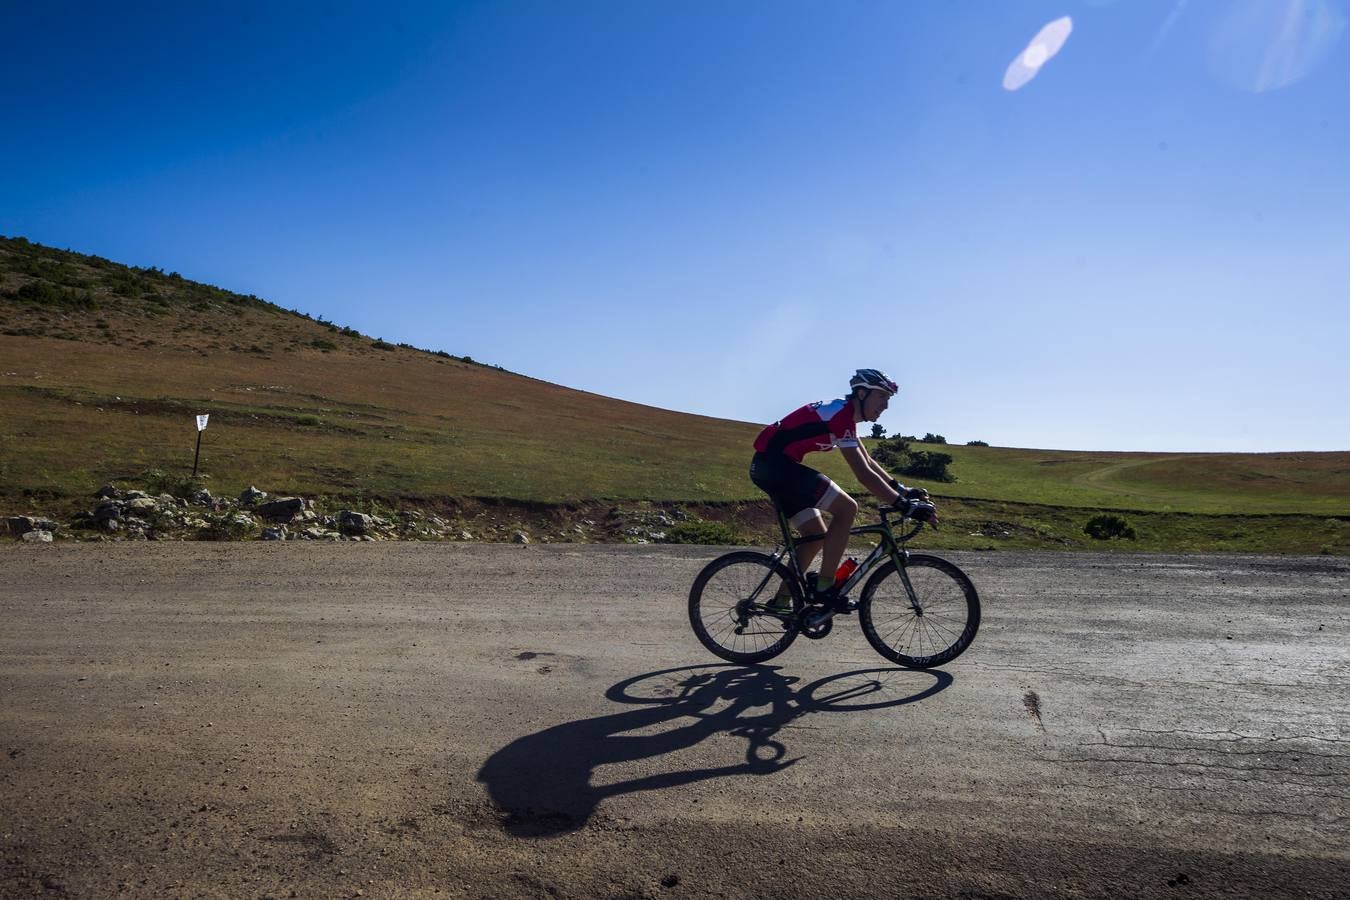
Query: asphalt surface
(400, 719)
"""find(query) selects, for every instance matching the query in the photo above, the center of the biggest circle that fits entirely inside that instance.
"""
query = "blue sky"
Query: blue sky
(724, 208)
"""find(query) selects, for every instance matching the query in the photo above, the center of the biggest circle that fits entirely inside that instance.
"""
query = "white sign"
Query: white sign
(201, 422)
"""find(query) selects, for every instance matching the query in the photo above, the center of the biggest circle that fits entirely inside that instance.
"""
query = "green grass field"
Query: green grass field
(102, 369)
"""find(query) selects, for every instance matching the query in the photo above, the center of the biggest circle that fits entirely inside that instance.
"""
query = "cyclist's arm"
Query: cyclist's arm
(874, 465)
(867, 473)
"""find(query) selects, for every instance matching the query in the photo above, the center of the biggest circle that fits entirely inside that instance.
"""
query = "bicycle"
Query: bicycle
(911, 601)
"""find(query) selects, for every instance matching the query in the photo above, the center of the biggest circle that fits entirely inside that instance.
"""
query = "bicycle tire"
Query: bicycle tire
(715, 595)
(947, 626)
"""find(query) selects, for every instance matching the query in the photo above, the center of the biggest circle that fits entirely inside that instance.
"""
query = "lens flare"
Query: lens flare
(1264, 45)
(1041, 50)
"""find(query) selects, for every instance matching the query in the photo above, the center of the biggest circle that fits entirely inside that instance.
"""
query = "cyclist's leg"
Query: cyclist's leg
(811, 525)
(811, 491)
(796, 490)
(842, 509)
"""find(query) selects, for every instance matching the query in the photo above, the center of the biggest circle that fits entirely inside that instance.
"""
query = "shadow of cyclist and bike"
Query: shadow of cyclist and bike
(542, 784)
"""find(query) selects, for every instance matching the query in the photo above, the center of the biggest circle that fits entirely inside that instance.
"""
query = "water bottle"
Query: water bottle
(846, 569)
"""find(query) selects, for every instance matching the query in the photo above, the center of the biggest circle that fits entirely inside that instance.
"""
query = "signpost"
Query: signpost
(201, 426)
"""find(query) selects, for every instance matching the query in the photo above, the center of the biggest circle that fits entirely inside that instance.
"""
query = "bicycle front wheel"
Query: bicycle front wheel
(727, 607)
(933, 627)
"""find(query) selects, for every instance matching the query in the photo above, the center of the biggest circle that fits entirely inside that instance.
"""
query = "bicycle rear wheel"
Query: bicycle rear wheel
(942, 627)
(727, 607)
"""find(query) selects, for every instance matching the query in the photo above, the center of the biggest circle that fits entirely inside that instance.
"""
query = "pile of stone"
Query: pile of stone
(651, 527)
(31, 530)
(119, 514)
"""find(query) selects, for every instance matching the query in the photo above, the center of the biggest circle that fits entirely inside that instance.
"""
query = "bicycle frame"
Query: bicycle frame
(889, 546)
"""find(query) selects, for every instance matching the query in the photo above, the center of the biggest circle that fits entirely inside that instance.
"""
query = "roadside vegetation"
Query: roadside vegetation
(103, 367)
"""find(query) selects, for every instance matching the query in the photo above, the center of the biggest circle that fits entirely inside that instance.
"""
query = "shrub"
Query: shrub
(878, 431)
(701, 532)
(322, 344)
(929, 466)
(1105, 526)
(977, 443)
(893, 453)
(45, 294)
(381, 344)
(157, 481)
(930, 438)
(896, 455)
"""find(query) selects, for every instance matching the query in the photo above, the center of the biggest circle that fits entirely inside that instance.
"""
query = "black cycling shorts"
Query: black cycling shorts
(798, 490)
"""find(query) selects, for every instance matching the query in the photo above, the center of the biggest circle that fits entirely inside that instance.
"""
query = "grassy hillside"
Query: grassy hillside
(102, 368)
(1314, 483)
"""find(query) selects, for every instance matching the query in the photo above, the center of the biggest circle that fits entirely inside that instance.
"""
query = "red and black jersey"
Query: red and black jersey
(816, 427)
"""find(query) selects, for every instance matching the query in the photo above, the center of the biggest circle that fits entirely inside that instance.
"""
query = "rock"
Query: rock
(203, 498)
(329, 522)
(251, 496)
(657, 535)
(19, 525)
(37, 536)
(465, 535)
(353, 522)
(167, 500)
(282, 510)
(107, 492)
(275, 533)
(521, 537)
(45, 525)
(108, 510)
(135, 495)
(142, 504)
(109, 524)
(663, 519)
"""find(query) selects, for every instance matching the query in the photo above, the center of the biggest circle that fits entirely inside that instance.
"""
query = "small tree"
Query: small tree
(930, 438)
(878, 431)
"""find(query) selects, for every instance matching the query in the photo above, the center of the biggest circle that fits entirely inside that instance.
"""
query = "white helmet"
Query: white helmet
(873, 379)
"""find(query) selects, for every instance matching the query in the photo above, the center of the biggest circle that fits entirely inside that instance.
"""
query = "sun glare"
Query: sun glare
(1038, 52)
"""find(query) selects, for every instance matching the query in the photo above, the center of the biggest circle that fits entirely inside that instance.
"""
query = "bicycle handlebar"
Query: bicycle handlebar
(919, 523)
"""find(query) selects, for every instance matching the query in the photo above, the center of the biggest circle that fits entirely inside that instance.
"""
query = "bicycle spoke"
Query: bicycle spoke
(950, 613)
(726, 608)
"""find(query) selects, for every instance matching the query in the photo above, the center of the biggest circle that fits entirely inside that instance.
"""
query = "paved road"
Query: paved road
(477, 720)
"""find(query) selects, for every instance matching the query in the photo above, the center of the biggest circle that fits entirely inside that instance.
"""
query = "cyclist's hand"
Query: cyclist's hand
(921, 511)
(907, 493)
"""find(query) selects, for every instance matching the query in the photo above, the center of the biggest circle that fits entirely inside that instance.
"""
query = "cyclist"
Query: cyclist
(802, 492)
